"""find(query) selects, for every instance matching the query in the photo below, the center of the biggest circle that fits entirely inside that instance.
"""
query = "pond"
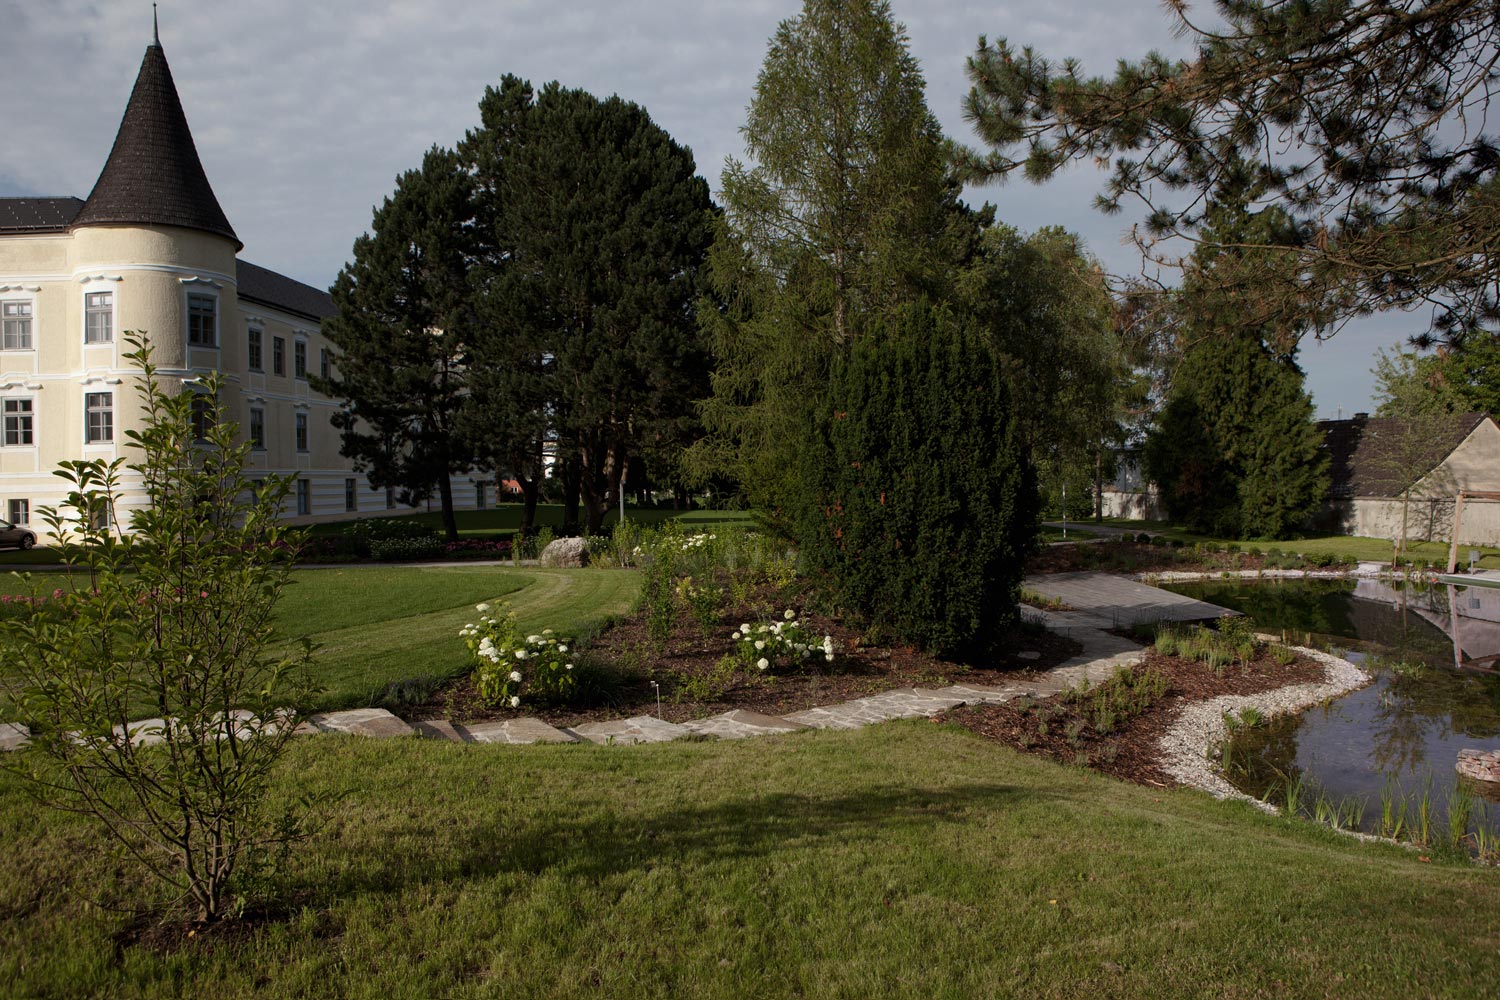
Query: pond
(1392, 745)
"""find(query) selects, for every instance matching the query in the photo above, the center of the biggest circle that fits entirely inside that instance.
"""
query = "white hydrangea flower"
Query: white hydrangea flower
(515, 675)
(520, 654)
(515, 701)
(481, 607)
(568, 667)
(790, 614)
(561, 648)
(745, 628)
(533, 639)
(762, 663)
(760, 644)
(735, 636)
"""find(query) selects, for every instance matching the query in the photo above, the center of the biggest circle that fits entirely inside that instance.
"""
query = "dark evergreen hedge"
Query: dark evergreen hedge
(918, 502)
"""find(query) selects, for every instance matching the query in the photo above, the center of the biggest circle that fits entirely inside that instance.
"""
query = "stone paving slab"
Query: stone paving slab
(13, 735)
(624, 732)
(514, 731)
(1107, 601)
(438, 729)
(982, 694)
(742, 723)
(372, 722)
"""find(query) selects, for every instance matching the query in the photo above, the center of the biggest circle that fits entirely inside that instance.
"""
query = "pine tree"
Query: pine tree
(403, 320)
(843, 212)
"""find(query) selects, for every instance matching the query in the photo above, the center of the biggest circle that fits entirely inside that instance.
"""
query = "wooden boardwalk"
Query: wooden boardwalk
(1101, 600)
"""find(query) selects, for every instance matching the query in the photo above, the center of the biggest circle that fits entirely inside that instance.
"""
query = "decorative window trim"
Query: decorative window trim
(189, 294)
(29, 301)
(84, 279)
(31, 415)
(114, 311)
(255, 364)
(196, 279)
(107, 424)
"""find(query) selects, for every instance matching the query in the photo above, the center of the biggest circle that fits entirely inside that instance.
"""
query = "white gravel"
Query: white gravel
(1186, 747)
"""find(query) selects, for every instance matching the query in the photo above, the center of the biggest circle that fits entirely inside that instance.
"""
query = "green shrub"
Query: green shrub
(399, 549)
(918, 503)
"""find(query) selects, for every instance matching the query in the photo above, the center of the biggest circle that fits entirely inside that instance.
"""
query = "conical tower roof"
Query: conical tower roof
(153, 176)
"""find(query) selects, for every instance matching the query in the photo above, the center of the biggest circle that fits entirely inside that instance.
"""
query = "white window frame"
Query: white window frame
(90, 310)
(6, 416)
(205, 404)
(8, 322)
(278, 356)
(107, 421)
(325, 365)
(300, 434)
(304, 497)
(257, 428)
(351, 495)
(255, 340)
(211, 298)
(299, 359)
(18, 511)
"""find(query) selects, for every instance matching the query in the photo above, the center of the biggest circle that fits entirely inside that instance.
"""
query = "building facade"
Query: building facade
(150, 250)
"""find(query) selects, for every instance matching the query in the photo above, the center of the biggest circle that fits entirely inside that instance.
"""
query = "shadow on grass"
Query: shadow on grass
(609, 843)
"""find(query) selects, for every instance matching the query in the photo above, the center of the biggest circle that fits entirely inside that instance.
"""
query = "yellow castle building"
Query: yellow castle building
(150, 250)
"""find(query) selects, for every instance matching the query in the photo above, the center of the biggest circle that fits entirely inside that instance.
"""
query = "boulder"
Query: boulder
(1480, 765)
(566, 552)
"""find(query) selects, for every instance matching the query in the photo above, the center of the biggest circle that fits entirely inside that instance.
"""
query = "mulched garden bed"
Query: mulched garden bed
(1131, 751)
(694, 683)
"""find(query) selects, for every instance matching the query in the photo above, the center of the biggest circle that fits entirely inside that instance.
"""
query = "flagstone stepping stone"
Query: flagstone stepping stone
(624, 732)
(985, 694)
(372, 722)
(742, 723)
(515, 731)
(144, 733)
(13, 735)
(438, 729)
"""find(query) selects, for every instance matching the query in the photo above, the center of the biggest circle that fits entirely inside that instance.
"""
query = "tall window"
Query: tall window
(258, 428)
(304, 496)
(351, 495)
(479, 495)
(390, 497)
(253, 349)
(18, 422)
(98, 317)
(15, 326)
(301, 432)
(203, 416)
(19, 511)
(323, 362)
(278, 355)
(203, 321)
(299, 359)
(99, 417)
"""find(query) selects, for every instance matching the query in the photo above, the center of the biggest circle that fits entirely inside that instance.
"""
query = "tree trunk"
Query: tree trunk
(445, 492)
(1099, 483)
(530, 488)
(571, 489)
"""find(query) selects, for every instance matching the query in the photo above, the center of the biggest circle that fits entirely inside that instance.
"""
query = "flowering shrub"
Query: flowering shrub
(477, 548)
(780, 644)
(20, 605)
(509, 667)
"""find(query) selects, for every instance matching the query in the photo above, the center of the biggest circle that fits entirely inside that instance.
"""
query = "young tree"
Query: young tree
(173, 618)
(843, 212)
(403, 322)
(1367, 121)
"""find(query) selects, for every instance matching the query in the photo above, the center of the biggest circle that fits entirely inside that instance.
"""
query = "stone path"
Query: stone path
(1105, 601)
(1102, 655)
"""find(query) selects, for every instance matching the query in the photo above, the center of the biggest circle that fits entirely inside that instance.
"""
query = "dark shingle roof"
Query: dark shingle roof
(1372, 456)
(269, 288)
(37, 215)
(153, 175)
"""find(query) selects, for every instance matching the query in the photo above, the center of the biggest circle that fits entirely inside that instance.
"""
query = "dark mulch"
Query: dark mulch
(1130, 752)
(694, 684)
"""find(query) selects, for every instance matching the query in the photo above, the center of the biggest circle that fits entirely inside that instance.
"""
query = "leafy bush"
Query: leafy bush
(780, 644)
(509, 668)
(918, 504)
(406, 549)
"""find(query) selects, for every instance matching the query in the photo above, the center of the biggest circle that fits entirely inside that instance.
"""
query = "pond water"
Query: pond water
(1432, 651)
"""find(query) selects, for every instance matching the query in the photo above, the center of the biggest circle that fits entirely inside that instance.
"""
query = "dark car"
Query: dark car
(15, 536)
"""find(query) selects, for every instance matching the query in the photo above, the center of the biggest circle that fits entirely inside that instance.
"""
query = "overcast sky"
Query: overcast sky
(305, 112)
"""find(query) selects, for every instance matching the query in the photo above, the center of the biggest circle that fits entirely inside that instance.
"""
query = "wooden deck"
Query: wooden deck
(1101, 600)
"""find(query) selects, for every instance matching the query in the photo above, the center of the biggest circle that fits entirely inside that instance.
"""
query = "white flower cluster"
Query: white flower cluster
(504, 661)
(788, 639)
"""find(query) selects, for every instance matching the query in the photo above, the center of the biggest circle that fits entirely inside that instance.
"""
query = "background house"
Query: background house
(1373, 460)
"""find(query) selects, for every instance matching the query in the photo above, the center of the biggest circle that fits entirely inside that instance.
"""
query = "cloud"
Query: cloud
(305, 113)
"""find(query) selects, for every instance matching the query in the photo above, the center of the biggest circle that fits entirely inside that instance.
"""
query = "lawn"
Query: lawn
(1364, 549)
(902, 860)
(377, 625)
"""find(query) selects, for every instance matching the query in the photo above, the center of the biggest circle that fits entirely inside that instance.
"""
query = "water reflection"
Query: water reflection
(1432, 651)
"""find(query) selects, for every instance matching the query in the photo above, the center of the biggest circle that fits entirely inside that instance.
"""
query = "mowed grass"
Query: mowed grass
(902, 860)
(379, 625)
(1364, 549)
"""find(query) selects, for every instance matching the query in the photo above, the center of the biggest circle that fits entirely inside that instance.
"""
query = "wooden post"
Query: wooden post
(1458, 516)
